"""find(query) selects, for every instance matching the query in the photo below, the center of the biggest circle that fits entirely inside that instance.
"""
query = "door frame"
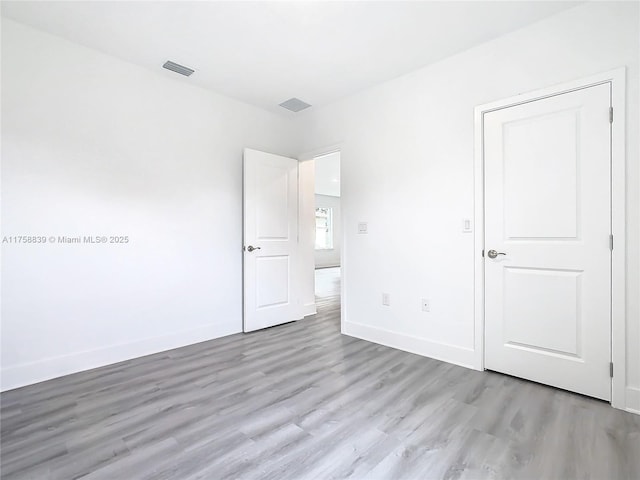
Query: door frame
(307, 181)
(617, 79)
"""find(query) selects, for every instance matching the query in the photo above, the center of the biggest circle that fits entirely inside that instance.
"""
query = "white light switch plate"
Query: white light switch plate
(467, 225)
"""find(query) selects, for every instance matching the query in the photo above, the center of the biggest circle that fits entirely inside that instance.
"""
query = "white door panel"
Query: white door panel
(272, 275)
(270, 239)
(547, 207)
(540, 163)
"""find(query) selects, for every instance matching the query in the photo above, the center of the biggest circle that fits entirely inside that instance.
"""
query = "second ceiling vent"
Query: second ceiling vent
(294, 104)
(175, 67)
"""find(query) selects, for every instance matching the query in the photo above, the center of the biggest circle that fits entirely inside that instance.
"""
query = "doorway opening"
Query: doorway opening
(328, 235)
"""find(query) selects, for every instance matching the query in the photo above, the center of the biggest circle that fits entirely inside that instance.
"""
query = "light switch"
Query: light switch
(363, 227)
(466, 225)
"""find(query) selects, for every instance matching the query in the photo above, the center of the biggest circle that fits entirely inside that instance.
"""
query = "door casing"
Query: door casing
(618, 195)
(307, 220)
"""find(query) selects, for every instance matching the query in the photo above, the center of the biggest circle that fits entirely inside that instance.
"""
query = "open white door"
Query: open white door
(270, 240)
(547, 227)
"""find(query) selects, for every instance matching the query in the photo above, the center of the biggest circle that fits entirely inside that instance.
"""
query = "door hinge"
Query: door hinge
(610, 114)
(611, 369)
(611, 242)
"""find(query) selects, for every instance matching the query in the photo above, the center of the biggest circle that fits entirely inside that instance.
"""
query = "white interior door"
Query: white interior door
(548, 219)
(270, 240)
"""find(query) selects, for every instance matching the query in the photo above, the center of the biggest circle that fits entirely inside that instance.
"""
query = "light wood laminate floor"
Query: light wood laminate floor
(301, 401)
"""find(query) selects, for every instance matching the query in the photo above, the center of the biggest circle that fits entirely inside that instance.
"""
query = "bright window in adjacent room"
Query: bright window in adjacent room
(324, 228)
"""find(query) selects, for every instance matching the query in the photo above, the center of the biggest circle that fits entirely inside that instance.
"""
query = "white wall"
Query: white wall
(92, 145)
(407, 169)
(328, 174)
(307, 234)
(330, 257)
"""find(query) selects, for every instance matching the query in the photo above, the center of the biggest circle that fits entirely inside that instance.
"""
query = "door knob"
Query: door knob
(251, 248)
(494, 254)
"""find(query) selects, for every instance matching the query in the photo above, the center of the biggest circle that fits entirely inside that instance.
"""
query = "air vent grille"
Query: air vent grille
(174, 67)
(294, 104)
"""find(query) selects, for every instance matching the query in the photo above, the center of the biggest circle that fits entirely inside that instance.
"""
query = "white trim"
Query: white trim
(633, 400)
(618, 229)
(478, 239)
(53, 367)
(618, 194)
(306, 238)
(311, 155)
(408, 343)
(320, 152)
(309, 309)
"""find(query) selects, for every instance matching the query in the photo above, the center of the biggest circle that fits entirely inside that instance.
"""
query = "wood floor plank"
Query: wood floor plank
(301, 401)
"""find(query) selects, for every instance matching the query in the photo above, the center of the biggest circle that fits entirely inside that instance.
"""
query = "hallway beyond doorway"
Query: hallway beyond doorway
(327, 282)
(328, 292)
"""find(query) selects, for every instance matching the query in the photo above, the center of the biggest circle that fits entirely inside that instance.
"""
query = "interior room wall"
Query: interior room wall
(94, 146)
(330, 257)
(407, 170)
(306, 234)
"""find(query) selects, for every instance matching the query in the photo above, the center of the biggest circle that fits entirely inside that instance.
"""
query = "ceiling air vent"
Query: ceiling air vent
(174, 67)
(294, 105)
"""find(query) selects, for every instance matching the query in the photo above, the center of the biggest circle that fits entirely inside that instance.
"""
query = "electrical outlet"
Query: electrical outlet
(386, 299)
(426, 306)
(363, 227)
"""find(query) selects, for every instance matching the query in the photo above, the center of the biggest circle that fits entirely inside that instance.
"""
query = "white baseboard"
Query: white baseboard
(440, 351)
(309, 309)
(633, 400)
(461, 356)
(48, 368)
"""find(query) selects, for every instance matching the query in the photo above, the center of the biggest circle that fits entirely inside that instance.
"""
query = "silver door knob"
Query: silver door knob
(494, 254)
(251, 248)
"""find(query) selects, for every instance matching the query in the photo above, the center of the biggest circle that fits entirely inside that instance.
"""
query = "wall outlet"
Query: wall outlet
(363, 227)
(386, 299)
(426, 305)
